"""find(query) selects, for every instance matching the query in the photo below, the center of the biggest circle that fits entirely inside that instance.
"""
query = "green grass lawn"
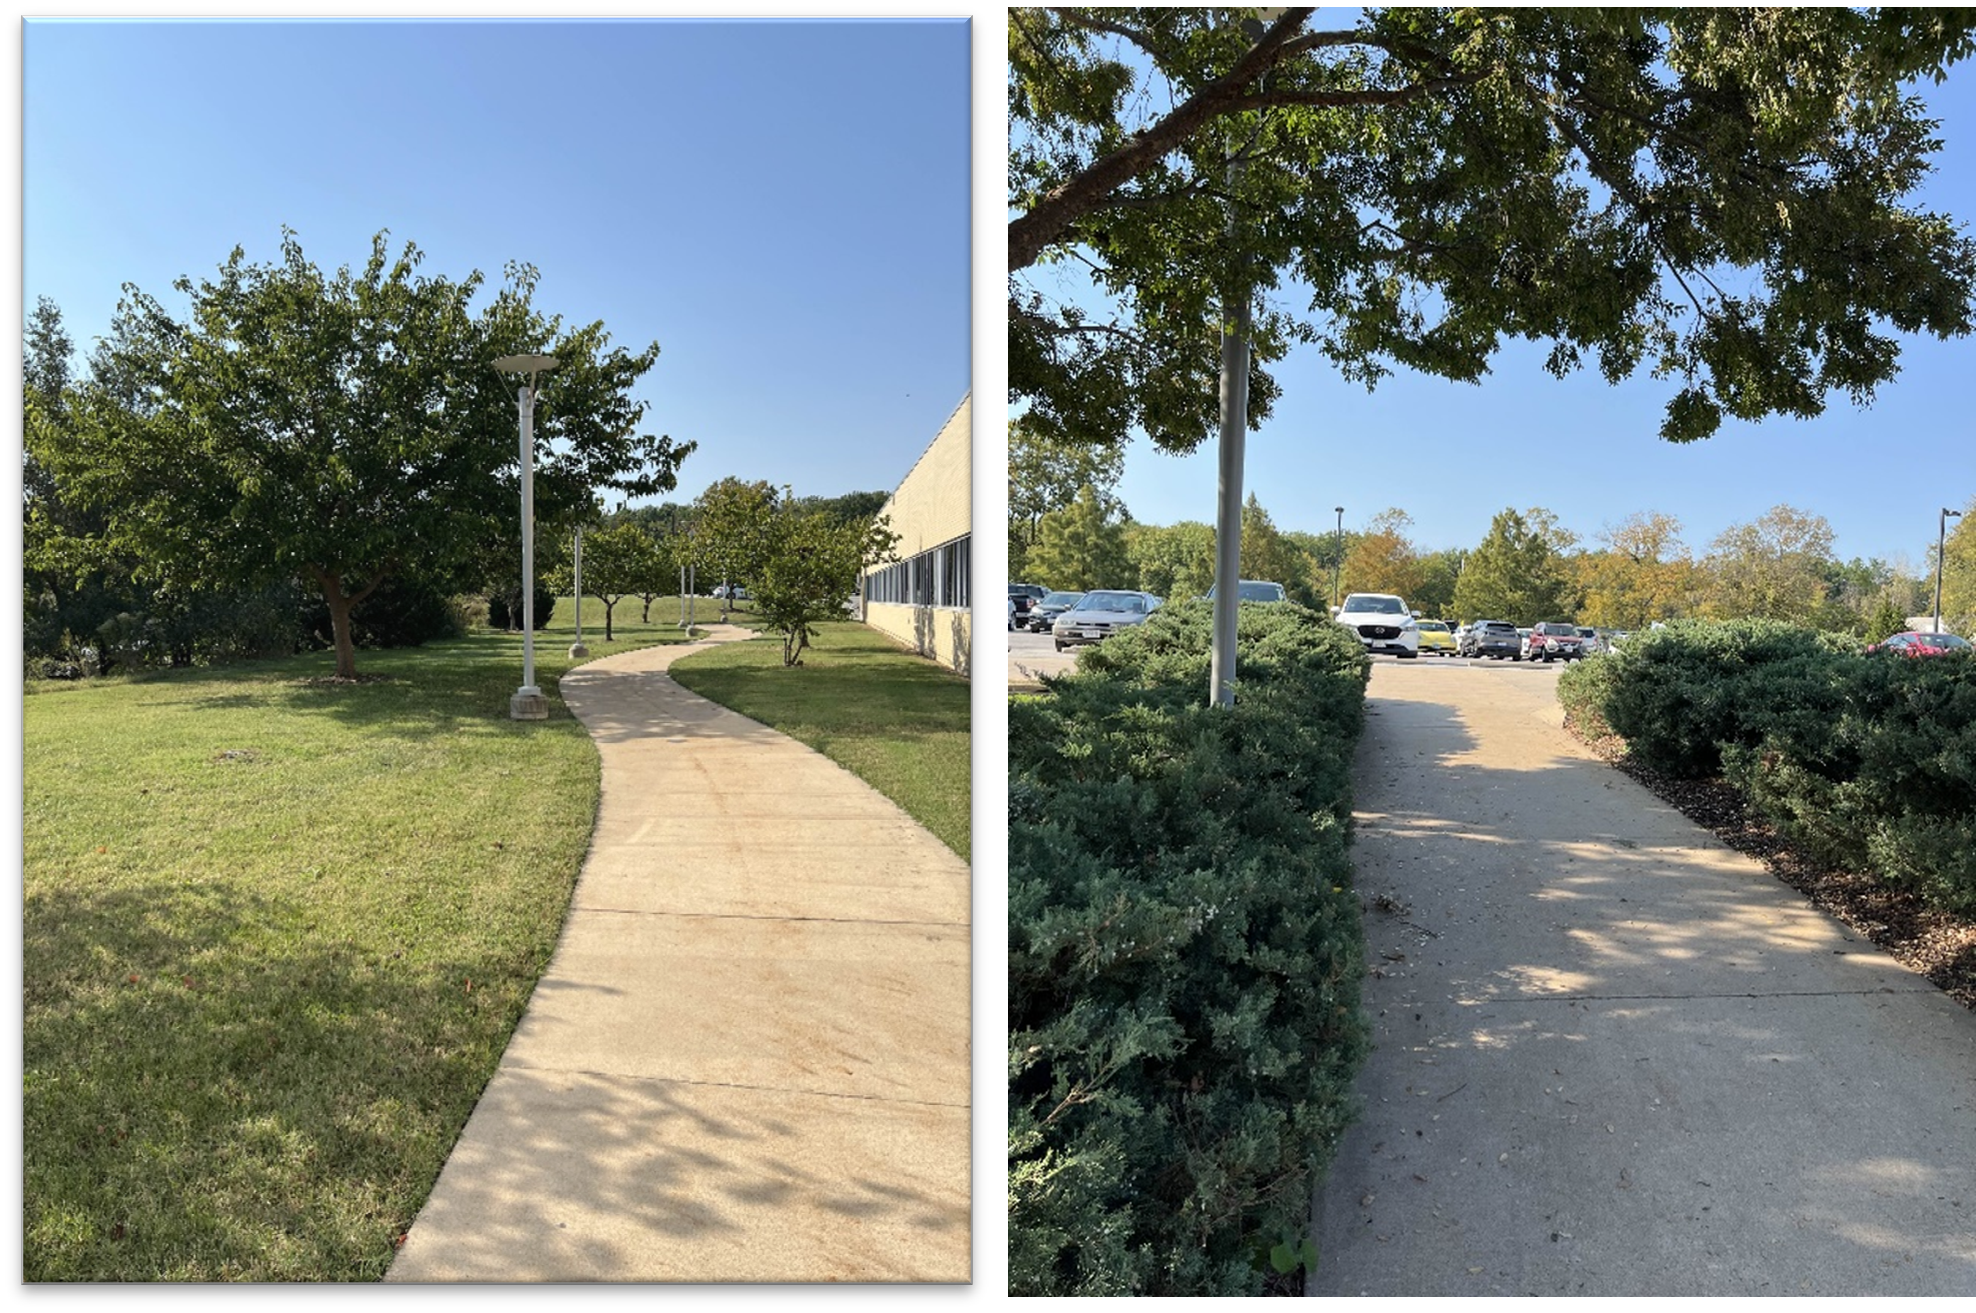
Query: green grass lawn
(276, 933)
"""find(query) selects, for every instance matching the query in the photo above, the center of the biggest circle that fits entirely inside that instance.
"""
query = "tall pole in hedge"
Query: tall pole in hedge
(1234, 433)
(1338, 558)
(1941, 546)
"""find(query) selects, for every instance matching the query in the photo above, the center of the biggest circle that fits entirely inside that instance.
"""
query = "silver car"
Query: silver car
(1101, 613)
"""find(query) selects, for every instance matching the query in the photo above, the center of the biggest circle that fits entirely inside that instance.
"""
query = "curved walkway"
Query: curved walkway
(748, 1058)
(1614, 1057)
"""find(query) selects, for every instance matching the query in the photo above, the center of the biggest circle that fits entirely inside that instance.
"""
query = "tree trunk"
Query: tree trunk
(609, 602)
(341, 603)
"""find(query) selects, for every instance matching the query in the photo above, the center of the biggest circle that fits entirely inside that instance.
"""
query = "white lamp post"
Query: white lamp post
(577, 650)
(528, 702)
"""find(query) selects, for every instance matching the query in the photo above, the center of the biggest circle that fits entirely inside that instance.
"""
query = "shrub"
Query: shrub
(1582, 690)
(1880, 776)
(1184, 955)
(1678, 694)
(504, 605)
(401, 613)
(1866, 760)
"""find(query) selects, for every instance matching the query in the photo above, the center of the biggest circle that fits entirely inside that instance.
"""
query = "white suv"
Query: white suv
(1382, 622)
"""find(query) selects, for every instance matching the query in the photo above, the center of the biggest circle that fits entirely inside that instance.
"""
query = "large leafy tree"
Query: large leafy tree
(1514, 574)
(1079, 547)
(733, 523)
(1267, 553)
(1642, 572)
(1173, 561)
(1773, 567)
(1046, 474)
(810, 569)
(345, 428)
(1718, 196)
(1384, 559)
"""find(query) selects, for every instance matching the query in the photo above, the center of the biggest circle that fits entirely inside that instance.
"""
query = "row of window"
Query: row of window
(933, 578)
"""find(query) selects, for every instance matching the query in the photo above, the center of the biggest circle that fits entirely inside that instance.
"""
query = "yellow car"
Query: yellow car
(1436, 639)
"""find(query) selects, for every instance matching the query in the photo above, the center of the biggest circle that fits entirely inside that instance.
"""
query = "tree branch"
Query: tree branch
(1048, 219)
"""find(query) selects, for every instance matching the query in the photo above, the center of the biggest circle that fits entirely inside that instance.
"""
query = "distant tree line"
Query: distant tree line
(1527, 567)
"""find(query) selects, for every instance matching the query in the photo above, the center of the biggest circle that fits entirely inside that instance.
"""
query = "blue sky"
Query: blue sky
(1453, 455)
(749, 195)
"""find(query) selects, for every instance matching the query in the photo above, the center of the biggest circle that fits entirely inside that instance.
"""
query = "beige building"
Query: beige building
(922, 598)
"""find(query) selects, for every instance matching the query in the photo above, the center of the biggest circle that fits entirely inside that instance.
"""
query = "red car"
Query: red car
(1553, 640)
(1916, 644)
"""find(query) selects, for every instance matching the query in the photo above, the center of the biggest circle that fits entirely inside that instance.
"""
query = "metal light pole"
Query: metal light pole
(1234, 431)
(577, 650)
(1941, 545)
(527, 702)
(1338, 559)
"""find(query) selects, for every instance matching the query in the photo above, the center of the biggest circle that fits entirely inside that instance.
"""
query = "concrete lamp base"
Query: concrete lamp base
(578, 651)
(528, 704)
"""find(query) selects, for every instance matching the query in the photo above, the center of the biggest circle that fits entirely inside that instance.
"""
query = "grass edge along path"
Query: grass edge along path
(896, 720)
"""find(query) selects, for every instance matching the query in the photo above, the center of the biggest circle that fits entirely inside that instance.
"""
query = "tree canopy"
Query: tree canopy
(1079, 547)
(1513, 574)
(344, 428)
(1718, 196)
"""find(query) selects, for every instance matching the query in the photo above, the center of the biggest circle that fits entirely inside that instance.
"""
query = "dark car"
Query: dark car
(1044, 614)
(1917, 644)
(1492, 638)
(1025, 597)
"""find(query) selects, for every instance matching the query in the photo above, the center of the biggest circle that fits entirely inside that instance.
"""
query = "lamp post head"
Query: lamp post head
(529, 365)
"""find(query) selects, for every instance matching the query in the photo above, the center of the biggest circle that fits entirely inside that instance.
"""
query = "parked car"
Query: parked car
(1255, 590)
(1915, 643)
(1494, 639)
(1024, 596)
(1043, 615)
(1522, 643)
(1101, 613)
(1436, 639)
(1382, 623)
(1553, 640)
(1595, 644)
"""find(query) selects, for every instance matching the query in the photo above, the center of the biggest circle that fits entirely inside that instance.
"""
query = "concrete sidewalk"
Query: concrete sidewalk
(748, 1058)
(1614, 1057)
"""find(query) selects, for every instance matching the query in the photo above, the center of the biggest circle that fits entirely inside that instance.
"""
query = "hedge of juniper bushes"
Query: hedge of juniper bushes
(1185, 953)
(1867, 759)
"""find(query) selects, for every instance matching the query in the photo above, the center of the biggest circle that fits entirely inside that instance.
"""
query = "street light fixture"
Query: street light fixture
(527, 702)
(1941, 544)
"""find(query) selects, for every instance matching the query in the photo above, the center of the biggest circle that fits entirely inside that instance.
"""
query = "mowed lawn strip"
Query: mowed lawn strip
(276, 934)
(897, 721)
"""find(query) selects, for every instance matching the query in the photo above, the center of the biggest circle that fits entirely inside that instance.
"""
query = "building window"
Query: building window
(933, 578)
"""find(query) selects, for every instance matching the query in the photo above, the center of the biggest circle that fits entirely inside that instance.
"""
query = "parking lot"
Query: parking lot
(1031, 655)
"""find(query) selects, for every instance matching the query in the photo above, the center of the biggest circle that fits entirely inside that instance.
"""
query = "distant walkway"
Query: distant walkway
(1614, 1057)
(748, 1058)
